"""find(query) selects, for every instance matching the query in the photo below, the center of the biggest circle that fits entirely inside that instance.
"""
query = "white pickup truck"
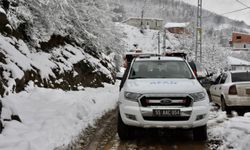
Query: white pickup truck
(162, 92)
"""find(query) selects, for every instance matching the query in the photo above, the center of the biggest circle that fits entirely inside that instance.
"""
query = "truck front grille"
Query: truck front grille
(166, 101)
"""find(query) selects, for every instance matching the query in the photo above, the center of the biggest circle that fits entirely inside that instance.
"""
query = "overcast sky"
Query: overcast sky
(222, 6)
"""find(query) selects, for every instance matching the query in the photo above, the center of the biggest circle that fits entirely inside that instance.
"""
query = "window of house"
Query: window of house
(238, 37)
(245, 46)
(233, 67)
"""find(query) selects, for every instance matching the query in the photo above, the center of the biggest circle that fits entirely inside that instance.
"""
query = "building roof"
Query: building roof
(238, 71)
(240, 37)
(176, 25)
(158, 19)
(237, 61)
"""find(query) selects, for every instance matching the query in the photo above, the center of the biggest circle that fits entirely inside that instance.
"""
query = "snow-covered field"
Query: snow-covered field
(51, 118)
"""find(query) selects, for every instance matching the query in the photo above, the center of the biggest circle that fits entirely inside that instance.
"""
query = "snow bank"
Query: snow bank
(233, 132)
(52, 118)
(236, 134)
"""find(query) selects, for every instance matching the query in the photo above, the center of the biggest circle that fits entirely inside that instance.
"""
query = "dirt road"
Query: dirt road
(104, 137)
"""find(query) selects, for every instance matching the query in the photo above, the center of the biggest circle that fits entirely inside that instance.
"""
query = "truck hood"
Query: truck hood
(171, 86)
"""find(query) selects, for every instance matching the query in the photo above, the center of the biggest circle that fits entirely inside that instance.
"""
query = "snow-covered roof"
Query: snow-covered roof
(162, 58)
(236, 61)
(174, 24)
(158, 19)
(2, 10)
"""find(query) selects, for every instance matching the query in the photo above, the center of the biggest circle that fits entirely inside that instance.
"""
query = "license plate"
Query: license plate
(166, 112)
(248, 91)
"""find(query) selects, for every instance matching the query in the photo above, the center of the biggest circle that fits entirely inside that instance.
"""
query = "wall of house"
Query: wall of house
(151, 23)
(241, 45)
(239, 67)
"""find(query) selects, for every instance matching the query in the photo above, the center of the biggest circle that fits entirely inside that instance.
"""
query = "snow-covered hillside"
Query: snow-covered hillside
(148, 40)
(56, 44)
(214, 55)
(57, 69)
(217, 30)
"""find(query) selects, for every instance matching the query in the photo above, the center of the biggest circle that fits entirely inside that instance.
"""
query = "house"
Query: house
(150, 23)
(240, 42)
(177, 28)
(237, 64)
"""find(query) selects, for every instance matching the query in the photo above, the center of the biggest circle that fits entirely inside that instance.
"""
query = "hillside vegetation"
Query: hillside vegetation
(57, 44)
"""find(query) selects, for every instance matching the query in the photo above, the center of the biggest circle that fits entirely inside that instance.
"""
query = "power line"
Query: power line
(238, 10)
(242, 3)
(234, 11)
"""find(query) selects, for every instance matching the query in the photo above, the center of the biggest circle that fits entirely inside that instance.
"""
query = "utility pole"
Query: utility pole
(198, 46)
(164, 40)
(159, 42)
(142, 15)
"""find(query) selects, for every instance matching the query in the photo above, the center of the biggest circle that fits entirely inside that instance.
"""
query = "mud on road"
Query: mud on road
(104, 137)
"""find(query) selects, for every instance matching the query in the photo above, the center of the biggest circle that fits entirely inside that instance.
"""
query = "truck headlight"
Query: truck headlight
(200, 96)
(132, 96)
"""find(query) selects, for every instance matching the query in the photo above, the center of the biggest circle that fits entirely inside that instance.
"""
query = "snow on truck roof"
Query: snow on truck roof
(156, 58)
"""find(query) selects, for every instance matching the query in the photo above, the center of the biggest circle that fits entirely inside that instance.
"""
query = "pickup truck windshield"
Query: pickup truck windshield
(160, 69)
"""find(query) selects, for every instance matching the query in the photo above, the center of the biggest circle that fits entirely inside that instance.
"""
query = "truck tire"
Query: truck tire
(125, 132)
(200, 133)
(224, 107)
(240, 112)
(1, 126)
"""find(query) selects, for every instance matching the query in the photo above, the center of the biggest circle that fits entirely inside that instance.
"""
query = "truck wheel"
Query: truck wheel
(125, 132)
(200, 133)
(224, 107)
(1, 126)
(241, 112)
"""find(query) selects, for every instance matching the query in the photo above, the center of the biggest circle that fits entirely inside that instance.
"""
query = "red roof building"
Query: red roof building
(240, 41)
(177, 28)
